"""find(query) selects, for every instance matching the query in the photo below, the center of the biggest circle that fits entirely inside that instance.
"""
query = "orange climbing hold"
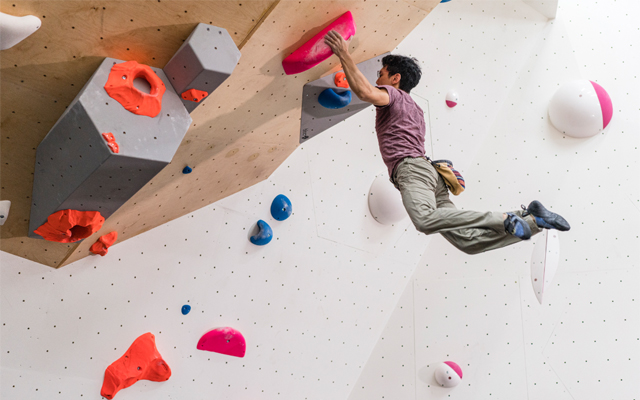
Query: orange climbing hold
(101, 246)
(141, 361)
(341, 80)
(194, 95)
(120, 87)
(68, 226)
(111, 142)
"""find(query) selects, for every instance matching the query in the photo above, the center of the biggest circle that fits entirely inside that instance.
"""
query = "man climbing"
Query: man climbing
(400, 128)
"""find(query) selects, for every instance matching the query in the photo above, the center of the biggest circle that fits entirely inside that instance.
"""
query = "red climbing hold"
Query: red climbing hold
(316, 50)
(194, 95)
(341, 80)
(120, 87)
(224, 341)
(111, 142)
(68, 226)
(141, 361)
(101, 246)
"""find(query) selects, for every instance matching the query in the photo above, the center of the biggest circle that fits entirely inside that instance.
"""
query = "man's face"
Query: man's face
(384, 78)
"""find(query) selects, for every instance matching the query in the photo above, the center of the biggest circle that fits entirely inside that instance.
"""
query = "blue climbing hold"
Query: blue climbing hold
(187, 170)
(445, 1)
(330, 99)
(185, 309)
(281, 208)
(264, 235)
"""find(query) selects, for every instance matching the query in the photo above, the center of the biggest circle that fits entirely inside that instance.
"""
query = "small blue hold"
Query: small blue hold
(187, 170)
(445, 1)
(330, 99)
(185, 309)
(281, 208)
(264, 235)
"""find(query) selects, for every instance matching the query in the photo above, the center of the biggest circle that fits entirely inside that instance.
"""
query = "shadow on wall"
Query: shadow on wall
(425, 374)
(146, 46)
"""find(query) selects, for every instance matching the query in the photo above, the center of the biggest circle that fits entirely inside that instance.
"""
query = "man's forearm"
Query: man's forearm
(358, 83)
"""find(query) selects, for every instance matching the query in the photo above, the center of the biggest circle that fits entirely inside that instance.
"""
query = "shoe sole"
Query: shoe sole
(538, 210)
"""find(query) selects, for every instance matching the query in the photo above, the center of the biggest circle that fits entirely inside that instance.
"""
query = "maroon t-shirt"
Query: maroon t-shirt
(400, 127)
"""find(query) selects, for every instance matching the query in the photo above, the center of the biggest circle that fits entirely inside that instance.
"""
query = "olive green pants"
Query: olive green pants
(426, 199)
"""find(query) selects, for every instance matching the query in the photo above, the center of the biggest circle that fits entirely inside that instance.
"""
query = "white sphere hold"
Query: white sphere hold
(448, 374)
(452, 98)
(580, 108)
(385, 201)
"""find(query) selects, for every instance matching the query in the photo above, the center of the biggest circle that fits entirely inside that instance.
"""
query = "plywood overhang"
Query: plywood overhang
(240, 134)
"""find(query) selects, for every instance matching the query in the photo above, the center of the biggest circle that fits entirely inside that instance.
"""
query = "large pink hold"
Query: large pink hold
(224, 341)
(316, 50)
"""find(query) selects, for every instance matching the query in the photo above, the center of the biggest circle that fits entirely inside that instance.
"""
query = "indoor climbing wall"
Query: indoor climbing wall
(240, 133)
(505, 60)
(338, 306)
(310, 304)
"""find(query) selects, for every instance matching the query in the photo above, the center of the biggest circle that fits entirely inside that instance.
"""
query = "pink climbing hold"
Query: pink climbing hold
(455, 367)
(605, 104)
(316, 50)
(452, 98)
(224, 341)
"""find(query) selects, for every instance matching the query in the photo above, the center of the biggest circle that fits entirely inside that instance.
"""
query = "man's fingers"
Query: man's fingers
(329, 38)
(334, 35)
(334, 40)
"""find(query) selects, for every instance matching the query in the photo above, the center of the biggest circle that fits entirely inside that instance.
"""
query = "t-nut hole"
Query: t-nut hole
(142, 85)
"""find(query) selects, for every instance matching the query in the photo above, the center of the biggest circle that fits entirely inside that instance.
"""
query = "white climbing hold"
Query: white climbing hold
(4, 210)
(385, 201)
(544, 262)
(452, 99)
(14, 30)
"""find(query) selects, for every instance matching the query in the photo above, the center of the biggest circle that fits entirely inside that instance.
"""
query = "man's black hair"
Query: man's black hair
(408, 69)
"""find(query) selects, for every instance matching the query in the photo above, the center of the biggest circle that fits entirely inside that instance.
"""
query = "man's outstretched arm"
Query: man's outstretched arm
(357, 81)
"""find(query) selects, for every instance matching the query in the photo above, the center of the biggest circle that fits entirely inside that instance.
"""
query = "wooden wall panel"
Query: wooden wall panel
(42, 75)
(247, 127)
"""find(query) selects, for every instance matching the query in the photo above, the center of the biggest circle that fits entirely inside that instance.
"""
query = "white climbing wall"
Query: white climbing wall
(340, 307)
(583, 342)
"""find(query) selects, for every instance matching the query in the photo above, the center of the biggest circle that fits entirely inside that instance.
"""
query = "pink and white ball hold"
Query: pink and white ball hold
(452, 99)
(580, 109)
(448, 374)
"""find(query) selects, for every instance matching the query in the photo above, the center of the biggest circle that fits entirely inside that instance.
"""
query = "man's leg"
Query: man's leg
(474, 241)
(426, 200)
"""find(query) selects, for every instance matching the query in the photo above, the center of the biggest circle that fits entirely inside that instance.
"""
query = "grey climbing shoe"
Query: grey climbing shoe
(517, 226)
(545, 218)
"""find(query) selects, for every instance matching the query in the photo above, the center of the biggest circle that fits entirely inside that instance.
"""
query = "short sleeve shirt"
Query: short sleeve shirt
(400, 128)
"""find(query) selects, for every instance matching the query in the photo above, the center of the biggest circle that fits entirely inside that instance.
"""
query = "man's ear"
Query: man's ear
(396, 78)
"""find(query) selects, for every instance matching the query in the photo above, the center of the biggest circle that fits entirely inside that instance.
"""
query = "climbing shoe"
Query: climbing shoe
(517, 227)
(545, 218)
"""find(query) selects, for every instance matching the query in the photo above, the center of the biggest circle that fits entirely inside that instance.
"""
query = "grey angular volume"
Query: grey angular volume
(75, 169)
(315, 118)
(203, 62)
